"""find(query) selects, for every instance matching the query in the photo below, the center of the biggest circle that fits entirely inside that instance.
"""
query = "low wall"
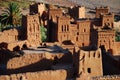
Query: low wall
(9, 35)
(13, 45)
(35, 62)
(31, 62)
(42, 75)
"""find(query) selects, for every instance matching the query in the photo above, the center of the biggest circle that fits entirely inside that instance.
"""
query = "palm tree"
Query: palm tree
(11, 15)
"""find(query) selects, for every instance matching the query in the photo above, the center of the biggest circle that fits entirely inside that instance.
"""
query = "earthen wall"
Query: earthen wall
(40, 75)
(101, 10)
(90, 63)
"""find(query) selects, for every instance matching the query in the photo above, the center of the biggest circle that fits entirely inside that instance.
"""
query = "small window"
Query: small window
(104, 40)
(67, 28)
(98, 55)
(76, 38)
(94, 54)
(84, 30)
(83, 44)
(78, 27)
(62, 28)
(89, 70)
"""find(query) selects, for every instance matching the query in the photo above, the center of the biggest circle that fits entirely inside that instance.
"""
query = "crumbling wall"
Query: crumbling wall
(42, 75)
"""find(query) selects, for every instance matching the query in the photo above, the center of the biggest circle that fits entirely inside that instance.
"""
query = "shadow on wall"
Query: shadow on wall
(41, 65)
(5, 55)
(44, 64)
(110, 65)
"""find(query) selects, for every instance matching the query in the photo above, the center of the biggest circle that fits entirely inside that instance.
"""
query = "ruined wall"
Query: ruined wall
(40, 75)
(31, 26)
(90, 63)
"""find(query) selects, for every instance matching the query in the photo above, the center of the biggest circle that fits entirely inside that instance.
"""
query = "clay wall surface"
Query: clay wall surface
(13, 45)
(102, 10)
(81, 12)
(54, 13)
(52, 23)
(117, 25)
(9, 36)
(107, 38)
(109, 77)
(117, 48)
(90, 63)
(63, 29)
(32, 29)
(40, 75)
(83, 33)
(107, 20)
(77, 12)
(35, 62)
(37, 8)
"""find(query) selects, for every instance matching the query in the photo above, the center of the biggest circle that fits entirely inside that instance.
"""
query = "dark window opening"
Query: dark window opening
(83, 44)
(94, 55)
(67, 28)
(98, 55)
(84, 30)
(76, 38)
(62, 28)
(89, 70)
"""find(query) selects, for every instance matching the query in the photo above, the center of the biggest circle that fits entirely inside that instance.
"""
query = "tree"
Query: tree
(11, 16)
(43, 32)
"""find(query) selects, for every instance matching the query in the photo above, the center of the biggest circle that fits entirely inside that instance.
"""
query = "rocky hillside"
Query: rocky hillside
(113, 4)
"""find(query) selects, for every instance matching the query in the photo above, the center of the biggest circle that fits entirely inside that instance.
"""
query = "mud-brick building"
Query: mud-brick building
(107, 20)
(77, 12)
(37, 8)
(31, 26)
(103, 10)
(88, 63)
(82, 35)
